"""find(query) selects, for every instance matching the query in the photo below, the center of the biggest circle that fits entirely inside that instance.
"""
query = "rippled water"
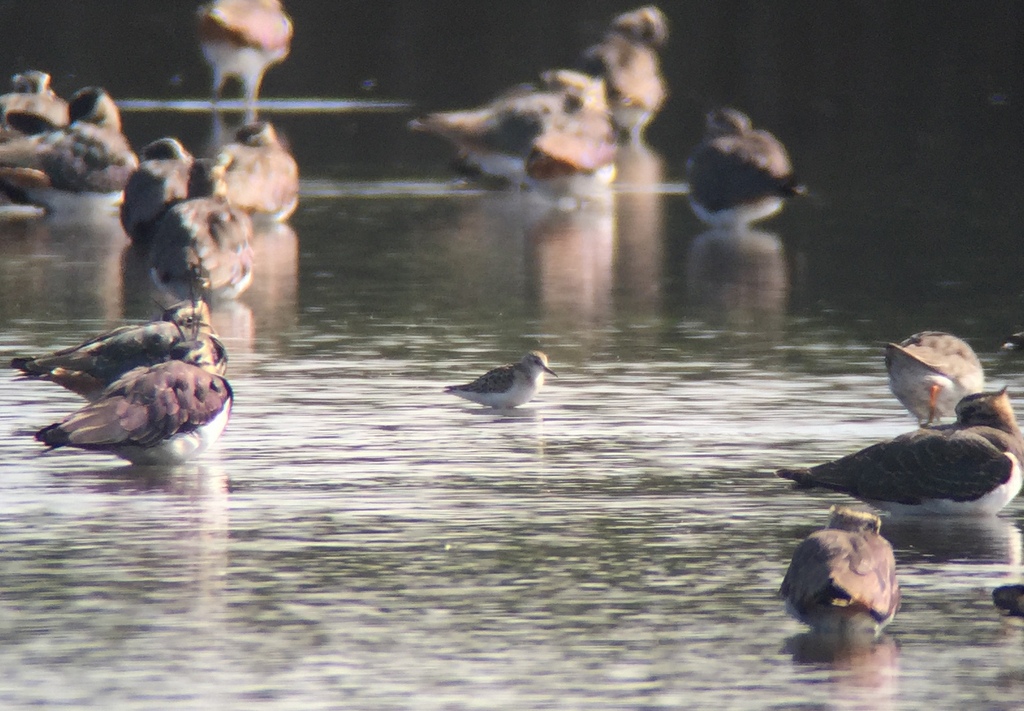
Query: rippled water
(358, 539)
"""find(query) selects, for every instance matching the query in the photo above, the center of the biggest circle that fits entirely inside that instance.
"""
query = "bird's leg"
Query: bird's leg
(933, 396)
(218, 84)
(252, 91)
(636, 134)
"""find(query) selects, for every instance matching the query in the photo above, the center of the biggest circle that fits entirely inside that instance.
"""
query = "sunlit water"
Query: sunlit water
(359, 539)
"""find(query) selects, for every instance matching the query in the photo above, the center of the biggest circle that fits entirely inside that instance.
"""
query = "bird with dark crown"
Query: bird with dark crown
(183, 332)
(90, 157)
(203, 244)
(971, 468)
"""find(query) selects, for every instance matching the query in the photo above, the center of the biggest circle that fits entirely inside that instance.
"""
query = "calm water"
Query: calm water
(360, 540)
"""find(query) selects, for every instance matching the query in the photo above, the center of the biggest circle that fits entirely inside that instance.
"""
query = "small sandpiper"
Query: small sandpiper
(261, 176)
(508, 386)
(930, 372)
(243, 38)
(182, 333)
(842, 578)
(162, 414)
(203, 244)
(627, 58)
(738, 175)
(971, 468)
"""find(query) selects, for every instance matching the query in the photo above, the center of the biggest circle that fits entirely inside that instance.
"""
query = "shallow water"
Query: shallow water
(359, 539)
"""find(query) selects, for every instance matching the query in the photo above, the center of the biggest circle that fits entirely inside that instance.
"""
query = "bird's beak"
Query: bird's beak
(548, 370)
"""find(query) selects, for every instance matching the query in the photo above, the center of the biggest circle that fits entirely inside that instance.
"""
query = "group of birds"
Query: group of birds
(561, 137)
(191, 219)
(843, 579)
(156, 392)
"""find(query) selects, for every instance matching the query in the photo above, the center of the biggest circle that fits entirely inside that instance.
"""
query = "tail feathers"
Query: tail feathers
(31, 369)
(801, 477)
(21, 364)
(53, 436)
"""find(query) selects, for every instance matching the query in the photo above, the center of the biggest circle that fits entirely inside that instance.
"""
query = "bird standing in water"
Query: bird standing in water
(842, 579)
(971, 468)
(243, 38)
(930, 372)
(509, 385)
(738, 174)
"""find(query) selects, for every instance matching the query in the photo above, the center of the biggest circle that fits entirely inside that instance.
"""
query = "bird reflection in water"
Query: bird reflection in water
(572, 253)
(856, 662)
(581, 262)
(514, 247)
(739, 274)
(273, 296)
(639, 229)
(70, 268)
(981, 540)
(193, 540)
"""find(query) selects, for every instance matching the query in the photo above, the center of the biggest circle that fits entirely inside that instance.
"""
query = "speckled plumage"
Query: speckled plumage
(842, 579)
(183, 333)
(931, 371)
(969, 468)
(508, 385)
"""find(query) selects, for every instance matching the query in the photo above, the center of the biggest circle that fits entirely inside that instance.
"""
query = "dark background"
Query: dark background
(904, 118)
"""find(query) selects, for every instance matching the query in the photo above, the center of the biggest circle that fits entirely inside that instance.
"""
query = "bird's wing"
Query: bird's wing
(926, 464)
(143, 408)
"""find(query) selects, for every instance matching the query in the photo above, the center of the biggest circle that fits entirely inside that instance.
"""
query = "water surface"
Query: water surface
(358, 539)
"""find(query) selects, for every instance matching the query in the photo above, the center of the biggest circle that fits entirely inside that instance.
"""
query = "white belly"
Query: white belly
(518, 394)
(233, 60)
(988, 505)
(741, 214)
(180, 447)
(500, 165)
